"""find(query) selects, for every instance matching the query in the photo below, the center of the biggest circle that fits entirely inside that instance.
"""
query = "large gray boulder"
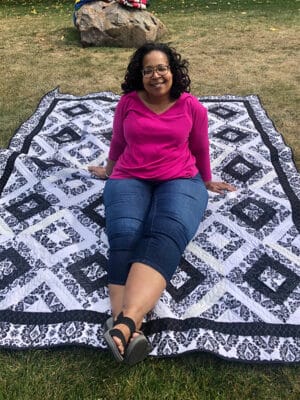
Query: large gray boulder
(103, 23)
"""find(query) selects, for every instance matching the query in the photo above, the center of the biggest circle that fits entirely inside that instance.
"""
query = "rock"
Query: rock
(103, 23)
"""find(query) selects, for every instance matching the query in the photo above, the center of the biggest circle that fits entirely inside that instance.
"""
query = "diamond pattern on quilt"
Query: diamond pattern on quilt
(13, 265)
(28, 207)
(46, 164)
(223, 112)
(236, 292)
(185, 281)
(219, 241)
(266, 279)
(95, 211)
(241, 169)
(272, 279)
(76, 110)
(253, 213)
(66, 135)
(40, 299)
(231, 134)
(90, 272)
(56, 236)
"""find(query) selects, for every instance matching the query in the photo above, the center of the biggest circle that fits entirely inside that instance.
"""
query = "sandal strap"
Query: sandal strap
(121, 319)
(119, 334)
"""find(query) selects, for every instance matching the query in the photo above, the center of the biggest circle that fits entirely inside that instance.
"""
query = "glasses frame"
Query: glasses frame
(155, 69)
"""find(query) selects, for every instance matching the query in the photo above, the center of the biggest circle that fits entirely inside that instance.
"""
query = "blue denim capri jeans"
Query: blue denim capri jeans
(151, 223)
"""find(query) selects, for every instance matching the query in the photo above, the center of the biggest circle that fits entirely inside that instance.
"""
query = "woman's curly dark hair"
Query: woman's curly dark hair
(134, 80)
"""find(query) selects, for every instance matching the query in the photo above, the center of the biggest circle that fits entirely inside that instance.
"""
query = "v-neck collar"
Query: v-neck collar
(152, 111)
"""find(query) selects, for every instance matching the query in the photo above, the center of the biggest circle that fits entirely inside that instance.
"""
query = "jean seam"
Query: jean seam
(151, 224)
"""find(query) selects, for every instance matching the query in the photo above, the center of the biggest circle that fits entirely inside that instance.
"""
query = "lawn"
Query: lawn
(234, 47)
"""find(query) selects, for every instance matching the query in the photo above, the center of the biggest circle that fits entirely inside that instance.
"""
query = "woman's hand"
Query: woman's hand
(103, 172)
(98, 171)
(219, 187)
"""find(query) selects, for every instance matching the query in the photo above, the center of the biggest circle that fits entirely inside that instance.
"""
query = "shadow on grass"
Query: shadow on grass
(70, 35)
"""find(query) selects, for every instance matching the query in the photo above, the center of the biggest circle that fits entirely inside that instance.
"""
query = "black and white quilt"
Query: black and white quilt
(236, 292)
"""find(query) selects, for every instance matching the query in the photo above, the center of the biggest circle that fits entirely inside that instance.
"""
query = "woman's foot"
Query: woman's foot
(125, 342)
(127, 335)
(111, 323)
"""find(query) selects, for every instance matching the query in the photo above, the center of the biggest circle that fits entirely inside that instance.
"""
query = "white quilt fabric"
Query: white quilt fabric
(236, 292)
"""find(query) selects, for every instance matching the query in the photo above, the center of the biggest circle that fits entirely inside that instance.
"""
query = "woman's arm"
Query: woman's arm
(198, 140)
(117, 144)
(199, 145)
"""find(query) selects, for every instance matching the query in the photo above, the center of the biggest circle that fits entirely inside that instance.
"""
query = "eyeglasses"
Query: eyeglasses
(160, 69)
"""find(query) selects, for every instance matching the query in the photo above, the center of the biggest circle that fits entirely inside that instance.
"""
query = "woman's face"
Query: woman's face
(156, 83)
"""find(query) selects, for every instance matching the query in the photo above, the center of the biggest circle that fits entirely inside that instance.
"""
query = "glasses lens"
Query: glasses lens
(160, 69)
(148, 71)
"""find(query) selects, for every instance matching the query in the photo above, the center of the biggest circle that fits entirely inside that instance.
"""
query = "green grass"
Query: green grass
(239, 48)
(85, 374)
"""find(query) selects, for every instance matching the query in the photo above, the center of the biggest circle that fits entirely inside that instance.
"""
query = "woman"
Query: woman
(159, 172)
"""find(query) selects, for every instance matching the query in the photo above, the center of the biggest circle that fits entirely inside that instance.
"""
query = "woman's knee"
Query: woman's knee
(174, 229)
(124, 233)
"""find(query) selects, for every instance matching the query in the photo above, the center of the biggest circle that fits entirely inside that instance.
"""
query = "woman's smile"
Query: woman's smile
(157, 84)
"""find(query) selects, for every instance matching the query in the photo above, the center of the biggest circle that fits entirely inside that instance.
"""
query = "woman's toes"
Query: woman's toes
(134, 335)
(125, 330)
(119, 344)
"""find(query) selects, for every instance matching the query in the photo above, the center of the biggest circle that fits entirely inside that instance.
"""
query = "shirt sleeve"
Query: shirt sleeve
(199, 142)
(118, 142)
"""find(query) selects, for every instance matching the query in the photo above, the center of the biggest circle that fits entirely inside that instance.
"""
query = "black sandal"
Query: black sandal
(135, 350)
(108, 324)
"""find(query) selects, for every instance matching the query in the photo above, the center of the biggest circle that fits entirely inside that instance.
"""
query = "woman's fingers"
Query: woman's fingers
(220, 187)
(228, 186)
(98, 171)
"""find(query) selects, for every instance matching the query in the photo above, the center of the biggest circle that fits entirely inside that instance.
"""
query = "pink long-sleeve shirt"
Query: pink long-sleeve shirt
(173, 144)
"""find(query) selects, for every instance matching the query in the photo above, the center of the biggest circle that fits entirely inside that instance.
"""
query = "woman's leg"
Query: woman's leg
(177, 209)
(116, 297)
(127, 203)
(142, 291)
(176, 212)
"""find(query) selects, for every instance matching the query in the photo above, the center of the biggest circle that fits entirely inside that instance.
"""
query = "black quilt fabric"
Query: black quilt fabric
(236, 292)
